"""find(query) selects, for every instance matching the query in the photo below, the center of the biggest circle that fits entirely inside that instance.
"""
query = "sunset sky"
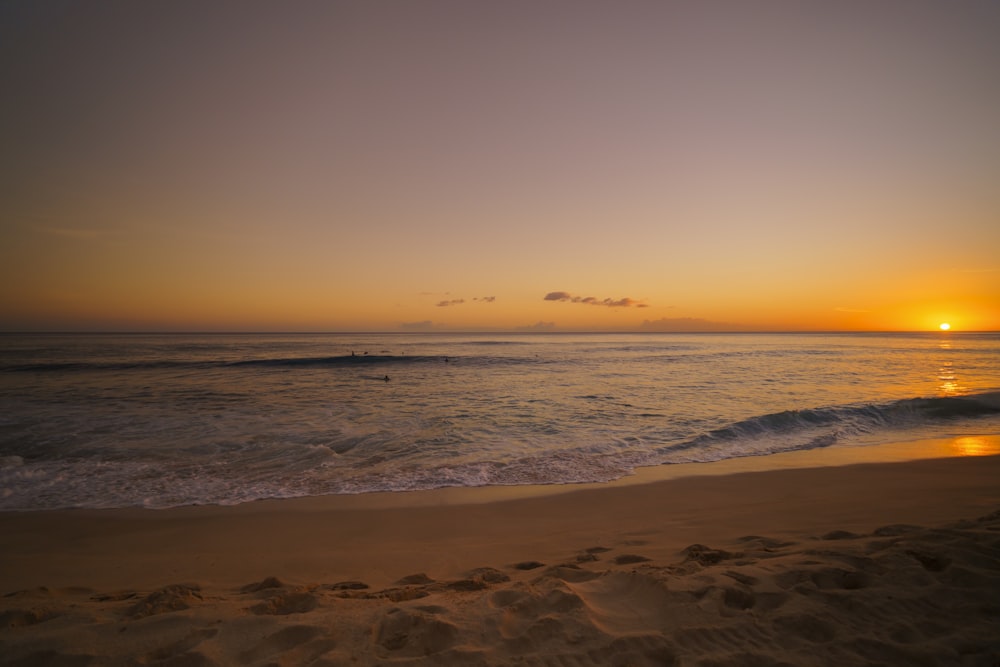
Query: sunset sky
(471, 165)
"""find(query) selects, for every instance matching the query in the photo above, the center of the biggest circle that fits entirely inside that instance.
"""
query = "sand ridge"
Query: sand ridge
(899, 594)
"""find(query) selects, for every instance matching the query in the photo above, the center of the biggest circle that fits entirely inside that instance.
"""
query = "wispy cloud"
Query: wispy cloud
(624, 302)
(424, 325)
(458, 302)
(538, 326)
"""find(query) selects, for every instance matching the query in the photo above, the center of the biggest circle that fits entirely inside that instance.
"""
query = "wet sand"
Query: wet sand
(869, 563)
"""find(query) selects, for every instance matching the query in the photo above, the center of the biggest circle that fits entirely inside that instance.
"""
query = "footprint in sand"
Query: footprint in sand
(293, 602)
(528, 565)
(402, 633)
(167, 599)
(628, 559)
(417, 579)
(625, 602)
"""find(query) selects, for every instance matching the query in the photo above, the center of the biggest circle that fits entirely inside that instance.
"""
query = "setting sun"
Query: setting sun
(944, 326)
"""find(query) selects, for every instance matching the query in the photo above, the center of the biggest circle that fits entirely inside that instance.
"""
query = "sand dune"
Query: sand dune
(894, 594)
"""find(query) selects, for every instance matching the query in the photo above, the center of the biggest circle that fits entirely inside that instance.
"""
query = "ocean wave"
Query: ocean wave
(348, 360)
(822, 427)
(239, 474)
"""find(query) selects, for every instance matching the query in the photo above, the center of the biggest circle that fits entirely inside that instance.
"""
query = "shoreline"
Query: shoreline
(74, 546)
(871, 562)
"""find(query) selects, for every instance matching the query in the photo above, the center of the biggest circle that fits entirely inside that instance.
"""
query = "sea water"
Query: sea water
(101, 420)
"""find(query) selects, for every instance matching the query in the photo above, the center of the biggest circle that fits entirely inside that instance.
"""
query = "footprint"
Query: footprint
(626, 559)
(488, 575)
(508, 597)
(167, 599)
(625, 602)
(528, 565)
(398, 594)
(707, 555)
(256, 587)
(345, 586)
(295, 602)
(408, 634)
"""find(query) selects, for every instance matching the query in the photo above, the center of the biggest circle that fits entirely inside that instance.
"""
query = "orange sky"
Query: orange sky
(446, 165)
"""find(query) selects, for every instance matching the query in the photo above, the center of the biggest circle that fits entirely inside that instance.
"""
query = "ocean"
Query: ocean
(135, 420)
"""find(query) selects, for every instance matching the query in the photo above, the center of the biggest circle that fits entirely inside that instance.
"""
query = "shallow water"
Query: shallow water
(165, 420)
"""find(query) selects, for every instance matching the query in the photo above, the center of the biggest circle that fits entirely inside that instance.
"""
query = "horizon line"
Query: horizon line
(233, 332)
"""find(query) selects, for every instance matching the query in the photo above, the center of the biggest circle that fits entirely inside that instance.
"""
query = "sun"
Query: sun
(944, 326)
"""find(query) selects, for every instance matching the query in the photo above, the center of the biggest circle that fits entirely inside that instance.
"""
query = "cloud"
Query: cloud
(624, 302)
(425, 325)
(457, 302)
(687, 324)
(538, 326)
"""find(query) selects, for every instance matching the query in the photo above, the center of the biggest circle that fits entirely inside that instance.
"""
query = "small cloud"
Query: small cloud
(687, 324)
(425, 325)
(624, 302)
(842, 309)
(457, 302)
(538, 326)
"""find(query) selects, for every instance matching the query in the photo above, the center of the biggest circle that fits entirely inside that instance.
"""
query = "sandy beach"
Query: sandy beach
(885, 563)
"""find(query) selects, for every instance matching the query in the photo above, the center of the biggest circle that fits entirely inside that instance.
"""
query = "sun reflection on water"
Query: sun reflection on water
(975, 446)
(949, 381)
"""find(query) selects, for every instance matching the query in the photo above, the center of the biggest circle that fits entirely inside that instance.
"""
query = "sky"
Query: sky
(525, 165)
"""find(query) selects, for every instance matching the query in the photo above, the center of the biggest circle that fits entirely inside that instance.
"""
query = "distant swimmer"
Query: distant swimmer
(386, 378)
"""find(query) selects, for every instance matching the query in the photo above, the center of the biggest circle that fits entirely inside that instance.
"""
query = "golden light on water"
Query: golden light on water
(944, 326)
(975, 446)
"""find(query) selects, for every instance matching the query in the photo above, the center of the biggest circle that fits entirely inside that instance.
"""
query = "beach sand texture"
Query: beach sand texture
(877, 564)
